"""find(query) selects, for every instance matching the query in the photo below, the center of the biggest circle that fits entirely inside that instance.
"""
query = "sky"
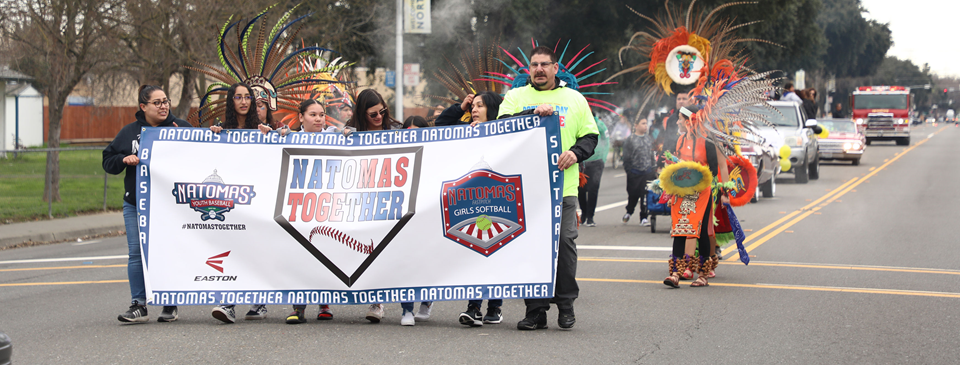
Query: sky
(924, 31)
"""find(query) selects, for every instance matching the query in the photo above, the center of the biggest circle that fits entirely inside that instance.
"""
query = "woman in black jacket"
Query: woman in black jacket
(483, 107)
(810, 106)
(121, 156)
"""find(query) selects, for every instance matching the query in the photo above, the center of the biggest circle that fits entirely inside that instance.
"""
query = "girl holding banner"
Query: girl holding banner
(238, 115)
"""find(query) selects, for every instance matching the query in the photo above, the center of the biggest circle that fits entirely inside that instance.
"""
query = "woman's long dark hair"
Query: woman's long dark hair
(492, 101)
(230, 115)
(366, 100)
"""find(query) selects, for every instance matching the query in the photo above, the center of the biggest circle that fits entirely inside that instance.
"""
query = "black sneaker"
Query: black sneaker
(169, 314)
(257, 311)
(493, 315)
(590, 223)
(136, 314)
(297, 316)
(566, 319)
(224, 313)
(472, 317)
(537, 322)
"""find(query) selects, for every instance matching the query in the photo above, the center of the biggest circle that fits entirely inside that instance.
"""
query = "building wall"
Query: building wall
(31, 119)
(4, 138)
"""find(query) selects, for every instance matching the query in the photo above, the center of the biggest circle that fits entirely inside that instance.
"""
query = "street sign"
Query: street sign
(416, 16)
(391, 79)
(411, 74)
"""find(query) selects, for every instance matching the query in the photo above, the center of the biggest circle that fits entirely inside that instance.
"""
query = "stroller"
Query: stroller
(654, 208)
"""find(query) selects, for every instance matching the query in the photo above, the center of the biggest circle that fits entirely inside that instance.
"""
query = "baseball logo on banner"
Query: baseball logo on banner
(327, 193)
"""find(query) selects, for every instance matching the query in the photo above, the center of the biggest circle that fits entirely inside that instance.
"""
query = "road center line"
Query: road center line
(911, 270)
(64, 267)
(623, 248)
(850, 185)
(62, 259)
(66, 283)
(801, 287)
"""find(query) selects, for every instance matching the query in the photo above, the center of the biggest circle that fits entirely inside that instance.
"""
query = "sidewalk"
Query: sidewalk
(60, 229)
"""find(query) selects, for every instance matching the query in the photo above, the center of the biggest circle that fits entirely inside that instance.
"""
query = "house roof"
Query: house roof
(18, 89)
(7, 74)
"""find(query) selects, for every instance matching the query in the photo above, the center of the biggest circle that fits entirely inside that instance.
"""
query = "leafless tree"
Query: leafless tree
(58, 43)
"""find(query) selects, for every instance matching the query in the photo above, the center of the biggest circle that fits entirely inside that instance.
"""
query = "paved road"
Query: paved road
(858, 267)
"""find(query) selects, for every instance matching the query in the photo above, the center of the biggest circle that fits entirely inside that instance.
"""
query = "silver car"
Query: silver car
(795, 131)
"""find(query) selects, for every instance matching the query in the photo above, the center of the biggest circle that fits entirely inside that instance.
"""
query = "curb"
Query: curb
(58, 236)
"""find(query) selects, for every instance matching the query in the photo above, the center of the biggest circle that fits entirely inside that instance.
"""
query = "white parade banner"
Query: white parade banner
(449, 213)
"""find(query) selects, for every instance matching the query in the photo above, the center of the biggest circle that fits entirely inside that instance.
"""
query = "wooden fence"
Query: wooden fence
(83, 123)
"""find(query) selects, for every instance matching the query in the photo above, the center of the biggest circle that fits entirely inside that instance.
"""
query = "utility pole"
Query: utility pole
(398, 80)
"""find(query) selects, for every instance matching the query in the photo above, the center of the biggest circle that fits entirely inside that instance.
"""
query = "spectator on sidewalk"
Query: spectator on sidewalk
(789, 94)
(838, 112)
(121, 156)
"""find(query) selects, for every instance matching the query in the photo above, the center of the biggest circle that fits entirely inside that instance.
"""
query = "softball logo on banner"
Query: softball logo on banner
(345, 208)
(483, 210)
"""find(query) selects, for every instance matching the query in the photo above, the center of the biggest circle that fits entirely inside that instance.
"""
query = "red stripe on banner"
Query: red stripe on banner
(497, 227)
(470, 229)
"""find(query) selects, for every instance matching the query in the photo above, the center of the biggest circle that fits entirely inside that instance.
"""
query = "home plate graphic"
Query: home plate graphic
(345, 206)
(483, 210)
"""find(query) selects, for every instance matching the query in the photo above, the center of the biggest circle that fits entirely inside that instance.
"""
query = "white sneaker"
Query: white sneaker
(408, 319)
(424, 313)
(626, 218)
(375, 313)
(644, 222)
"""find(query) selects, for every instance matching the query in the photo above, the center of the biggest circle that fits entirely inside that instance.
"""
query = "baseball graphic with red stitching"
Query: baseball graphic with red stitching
(343, 238)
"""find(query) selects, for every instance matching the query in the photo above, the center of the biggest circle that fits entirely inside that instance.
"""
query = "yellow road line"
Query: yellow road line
(801, 266)
(846, 187)
(799, 287)
(770, 226)
(64, 267)
(66, 283)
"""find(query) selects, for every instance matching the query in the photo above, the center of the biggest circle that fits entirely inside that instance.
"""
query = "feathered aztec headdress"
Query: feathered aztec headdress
(331, 94)
(688, 48)
(476, 61)
(266, 65)
(521, 76)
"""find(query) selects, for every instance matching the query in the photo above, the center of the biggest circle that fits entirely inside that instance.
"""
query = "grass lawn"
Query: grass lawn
(81, 186)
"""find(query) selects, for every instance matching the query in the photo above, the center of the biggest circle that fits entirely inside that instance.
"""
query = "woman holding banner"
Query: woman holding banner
(121, 156)
(239, 115)
(312, 119)
(371, 114)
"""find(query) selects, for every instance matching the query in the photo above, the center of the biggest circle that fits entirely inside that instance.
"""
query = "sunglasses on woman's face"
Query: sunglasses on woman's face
(374, 114)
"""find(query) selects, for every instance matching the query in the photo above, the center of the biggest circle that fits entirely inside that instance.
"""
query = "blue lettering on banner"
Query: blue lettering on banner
(349, 297)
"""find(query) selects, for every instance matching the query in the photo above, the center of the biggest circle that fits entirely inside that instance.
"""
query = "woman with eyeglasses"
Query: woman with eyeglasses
(239, 115)
(240, 101)
(121, 156)
(371, 113)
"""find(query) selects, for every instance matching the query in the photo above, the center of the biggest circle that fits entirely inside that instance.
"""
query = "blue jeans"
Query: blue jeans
(408, 307)
(492, 303)
(138, 290)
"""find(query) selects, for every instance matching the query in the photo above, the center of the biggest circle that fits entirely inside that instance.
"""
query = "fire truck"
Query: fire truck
(883, 113)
